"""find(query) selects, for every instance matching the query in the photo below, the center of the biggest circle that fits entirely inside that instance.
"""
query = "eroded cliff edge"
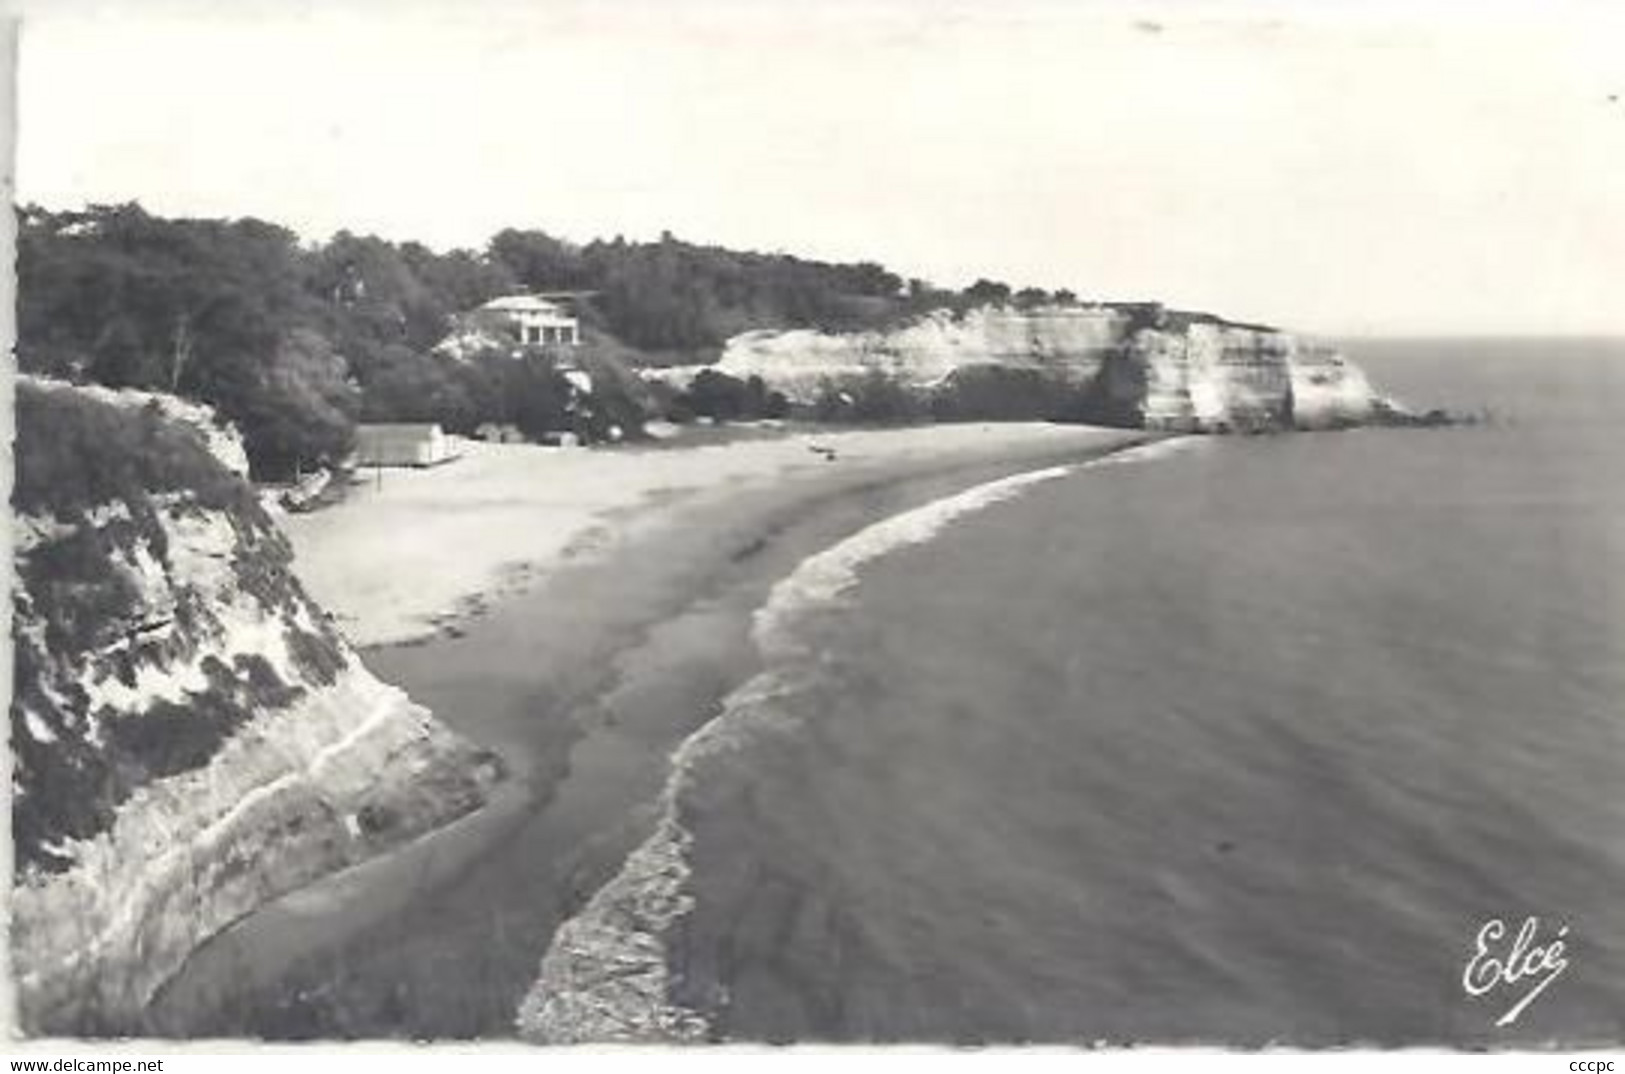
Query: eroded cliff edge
(1136, 364)
(191, 736)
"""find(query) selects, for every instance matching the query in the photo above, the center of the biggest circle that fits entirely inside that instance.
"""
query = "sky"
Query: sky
(1379, 169)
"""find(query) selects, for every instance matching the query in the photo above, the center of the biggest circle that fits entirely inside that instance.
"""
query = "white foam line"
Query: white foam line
(604, 976)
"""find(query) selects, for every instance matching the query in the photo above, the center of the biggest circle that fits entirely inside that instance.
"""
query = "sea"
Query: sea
(1314, 740)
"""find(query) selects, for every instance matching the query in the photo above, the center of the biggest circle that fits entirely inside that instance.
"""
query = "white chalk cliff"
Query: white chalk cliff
(192, 738)
(1137, 364)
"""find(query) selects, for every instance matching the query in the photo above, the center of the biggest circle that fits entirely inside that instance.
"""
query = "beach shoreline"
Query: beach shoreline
(411, 553)
(583, 679)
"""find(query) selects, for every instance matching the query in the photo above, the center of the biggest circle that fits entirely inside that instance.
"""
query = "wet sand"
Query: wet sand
(583, 682)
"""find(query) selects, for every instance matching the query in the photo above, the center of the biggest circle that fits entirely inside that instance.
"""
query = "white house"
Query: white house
(402, 444)
(534, 320)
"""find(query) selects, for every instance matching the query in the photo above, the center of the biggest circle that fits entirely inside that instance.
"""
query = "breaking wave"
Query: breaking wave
(605, 976)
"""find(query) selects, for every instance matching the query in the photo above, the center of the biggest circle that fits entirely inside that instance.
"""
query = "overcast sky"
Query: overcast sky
(1394, 172)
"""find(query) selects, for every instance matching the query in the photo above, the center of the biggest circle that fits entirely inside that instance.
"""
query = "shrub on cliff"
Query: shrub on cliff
(96, 480)
(73, 453)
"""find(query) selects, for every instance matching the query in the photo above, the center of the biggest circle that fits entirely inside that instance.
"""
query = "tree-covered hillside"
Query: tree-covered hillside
(295, 342)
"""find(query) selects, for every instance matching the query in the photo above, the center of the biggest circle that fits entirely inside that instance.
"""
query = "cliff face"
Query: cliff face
(191, 737)
(1214, 377)
(1066, 344)
(1134, 364)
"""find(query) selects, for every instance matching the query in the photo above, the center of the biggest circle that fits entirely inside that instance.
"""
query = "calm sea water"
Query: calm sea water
(1239, 742)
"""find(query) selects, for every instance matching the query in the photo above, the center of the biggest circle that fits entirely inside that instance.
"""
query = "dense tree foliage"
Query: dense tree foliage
(721, 397)
(996, 393)
(216, 310)
(988, 291)
(675, 296)
(871, 399)
(294, 343)
(291, 343)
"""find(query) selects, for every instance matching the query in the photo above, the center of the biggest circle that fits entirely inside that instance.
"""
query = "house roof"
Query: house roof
(523, 304)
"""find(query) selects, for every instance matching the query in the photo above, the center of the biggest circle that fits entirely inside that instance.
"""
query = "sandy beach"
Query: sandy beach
(595, 612)
(412, 550)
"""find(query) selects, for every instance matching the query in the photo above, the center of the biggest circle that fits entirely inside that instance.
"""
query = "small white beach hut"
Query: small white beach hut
(402, 444)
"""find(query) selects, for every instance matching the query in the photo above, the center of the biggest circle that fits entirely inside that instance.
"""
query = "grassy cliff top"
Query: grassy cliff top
(74, 452)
